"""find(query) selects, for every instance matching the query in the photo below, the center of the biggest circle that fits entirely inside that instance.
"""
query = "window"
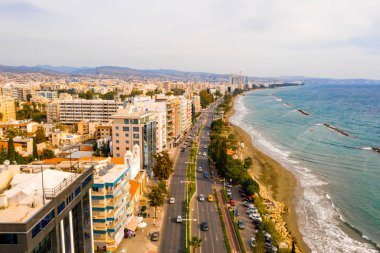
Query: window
(134, 121)
(95, 189)
(135, 129)
(136, 136)
(126, 135)
(86, 181)
(77, 191)
(126, 121)
(117, 148)
(117, 135)
(127, 142)
(42, 224)
(117, 141)
(117, 128)
(136, 143)
(126, 129)
(8, 238)
(61, 207)
(117, 155)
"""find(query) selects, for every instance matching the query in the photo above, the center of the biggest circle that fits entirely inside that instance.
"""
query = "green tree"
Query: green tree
(206, 98)
(178, 92)
(249, 185)
(195, 242)
(11, 150)
(40, 135)
(39, 116)
(247, 162)
(28, 97)
(135, 92)
(3, 155)
(163, 166)
(47, 154)
(157, 196)
(35, 151)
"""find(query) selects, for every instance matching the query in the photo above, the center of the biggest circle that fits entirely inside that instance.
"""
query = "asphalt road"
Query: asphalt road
(212, 240)
(173, 233)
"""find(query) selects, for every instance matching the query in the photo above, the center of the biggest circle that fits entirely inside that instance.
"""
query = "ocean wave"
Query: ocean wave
(319, 219)
(365, 148)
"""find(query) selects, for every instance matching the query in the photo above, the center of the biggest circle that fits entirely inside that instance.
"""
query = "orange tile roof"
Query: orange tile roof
(134, 187)
(118, 160)
(86, 148)
(92, 158)
(230, 152)
(54, 160)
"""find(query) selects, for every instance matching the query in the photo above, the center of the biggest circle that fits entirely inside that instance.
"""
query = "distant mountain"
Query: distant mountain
(168, 74)
(118, 71)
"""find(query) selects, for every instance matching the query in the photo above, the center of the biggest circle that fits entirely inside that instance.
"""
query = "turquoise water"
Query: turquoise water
(339, 175)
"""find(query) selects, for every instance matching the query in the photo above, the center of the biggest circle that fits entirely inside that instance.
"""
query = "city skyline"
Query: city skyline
(336, 39)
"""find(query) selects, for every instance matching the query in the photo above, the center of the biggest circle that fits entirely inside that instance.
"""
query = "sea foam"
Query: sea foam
(318, 218)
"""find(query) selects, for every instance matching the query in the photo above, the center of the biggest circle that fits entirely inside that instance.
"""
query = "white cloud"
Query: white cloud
(260, 37)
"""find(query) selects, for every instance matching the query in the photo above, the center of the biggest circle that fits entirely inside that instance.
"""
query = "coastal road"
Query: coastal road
(212, 240)
(172, 233)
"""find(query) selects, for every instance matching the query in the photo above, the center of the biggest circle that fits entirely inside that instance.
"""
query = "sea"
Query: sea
(338, 200)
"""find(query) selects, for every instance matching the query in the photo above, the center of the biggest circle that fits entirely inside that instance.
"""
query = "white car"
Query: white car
(204, 153)
(252, 242)
(205, 147)
(179, 219)
(228, 185)
(200, 169)
(172, 200)
(201, 197)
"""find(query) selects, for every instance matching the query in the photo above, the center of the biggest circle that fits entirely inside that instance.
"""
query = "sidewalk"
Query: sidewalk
(142, 243)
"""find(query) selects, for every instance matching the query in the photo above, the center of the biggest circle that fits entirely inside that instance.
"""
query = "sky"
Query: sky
(262, 38)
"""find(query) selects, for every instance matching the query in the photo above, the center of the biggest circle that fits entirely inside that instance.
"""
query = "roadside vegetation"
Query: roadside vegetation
(163, 166)
(227, 241)
(191, 188)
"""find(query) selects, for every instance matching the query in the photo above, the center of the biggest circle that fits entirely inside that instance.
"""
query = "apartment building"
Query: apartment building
(133, 127)
(111, 199)
(7, 109)
(52, 111)
(45, 210)
(48, 94)
(74, 111)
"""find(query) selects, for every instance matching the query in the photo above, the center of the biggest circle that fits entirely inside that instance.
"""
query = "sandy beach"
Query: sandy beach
(279, 182)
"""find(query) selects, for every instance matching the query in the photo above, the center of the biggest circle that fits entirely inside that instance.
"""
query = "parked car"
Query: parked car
(179, 219)
(205, 174)
(228, 185)
(154, 236)
(172, 200)
(200, 169)
(210, 198)
(252, 242)
(241, 224)
(204, 153)
(201, 197)
(232, 202)
(204, 226)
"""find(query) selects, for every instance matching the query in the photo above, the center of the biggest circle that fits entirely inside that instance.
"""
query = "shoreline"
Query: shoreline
(279, 183)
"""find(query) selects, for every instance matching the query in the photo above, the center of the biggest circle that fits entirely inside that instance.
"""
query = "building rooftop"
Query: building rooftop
(24, 196)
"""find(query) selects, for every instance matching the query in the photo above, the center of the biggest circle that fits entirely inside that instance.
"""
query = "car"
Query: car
(184, 147)
(236, 212)
(172, 200)
(246, 203)
(205, 174)
(154, 236)
(241, 224)
(200, 169)
(204, 153)
(201, 197)
(232, 202)
(252, 242)
(210, 198)
(204, 226)
(228, 185)
(205, 146)
(179, 219)
(199, 153)
(228, 192)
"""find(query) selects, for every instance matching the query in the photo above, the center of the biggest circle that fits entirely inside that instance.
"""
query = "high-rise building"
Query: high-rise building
(45, 210)
(133, 127)
(111, 200)
(7, 109)
(74, 111)
(52, 111)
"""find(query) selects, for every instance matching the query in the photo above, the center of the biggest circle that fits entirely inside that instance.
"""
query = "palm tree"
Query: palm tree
(195, 242)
